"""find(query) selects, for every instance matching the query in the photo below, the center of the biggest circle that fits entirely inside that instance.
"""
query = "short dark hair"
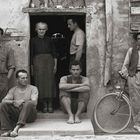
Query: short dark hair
(74, 19)
(135, 36)
(75, 63)
(22, 70)
(41, 22)
(1, 30)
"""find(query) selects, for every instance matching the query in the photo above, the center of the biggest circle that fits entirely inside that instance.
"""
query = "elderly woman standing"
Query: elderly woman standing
(131, 70)
(43, 64)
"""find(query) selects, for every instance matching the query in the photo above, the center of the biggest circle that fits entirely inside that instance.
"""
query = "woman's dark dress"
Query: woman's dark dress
(42, 58)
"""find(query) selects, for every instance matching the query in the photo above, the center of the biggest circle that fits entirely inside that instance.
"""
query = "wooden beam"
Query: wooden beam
(109, 41)
(57, 11)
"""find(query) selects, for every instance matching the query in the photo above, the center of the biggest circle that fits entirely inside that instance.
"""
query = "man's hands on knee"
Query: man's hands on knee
(18, 103)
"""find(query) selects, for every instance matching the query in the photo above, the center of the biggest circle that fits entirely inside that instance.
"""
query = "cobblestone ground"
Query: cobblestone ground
(109, 137)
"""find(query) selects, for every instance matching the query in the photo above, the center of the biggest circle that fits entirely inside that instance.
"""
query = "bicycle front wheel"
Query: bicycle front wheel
(112, 114)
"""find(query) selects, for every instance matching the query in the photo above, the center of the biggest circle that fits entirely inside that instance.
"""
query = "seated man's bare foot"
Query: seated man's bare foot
(14, 134)
(77, 120)
(71, 119)
(6, 134)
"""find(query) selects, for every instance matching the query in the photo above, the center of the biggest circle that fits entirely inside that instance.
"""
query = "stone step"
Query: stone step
(56, 127)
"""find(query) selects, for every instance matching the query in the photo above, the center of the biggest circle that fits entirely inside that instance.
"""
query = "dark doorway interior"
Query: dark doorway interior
(57, 29)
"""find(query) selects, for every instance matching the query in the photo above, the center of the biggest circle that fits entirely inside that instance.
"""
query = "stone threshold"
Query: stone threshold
(55, 124)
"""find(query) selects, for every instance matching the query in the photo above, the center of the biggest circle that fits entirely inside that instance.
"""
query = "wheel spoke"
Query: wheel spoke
(122, 114)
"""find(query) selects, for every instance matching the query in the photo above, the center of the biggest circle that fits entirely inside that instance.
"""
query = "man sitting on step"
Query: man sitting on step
(74, 93)
(19, 105)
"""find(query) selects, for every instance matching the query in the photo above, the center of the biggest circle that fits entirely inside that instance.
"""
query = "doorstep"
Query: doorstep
(55, 124)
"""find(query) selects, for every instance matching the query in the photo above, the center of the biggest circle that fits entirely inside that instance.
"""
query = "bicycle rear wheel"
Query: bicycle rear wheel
(112, 114)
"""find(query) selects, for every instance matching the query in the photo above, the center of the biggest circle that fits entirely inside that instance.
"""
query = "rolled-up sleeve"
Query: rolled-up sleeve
(126, 62)
(80, 38)
(9, 95)
(10, 60)
(34, 95)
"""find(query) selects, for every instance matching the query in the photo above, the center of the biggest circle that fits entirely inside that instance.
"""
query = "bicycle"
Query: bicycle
(112, 112)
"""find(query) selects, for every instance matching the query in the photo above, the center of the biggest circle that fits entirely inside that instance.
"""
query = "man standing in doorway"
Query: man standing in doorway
(77, 45)
(74, 93)
(43, 64)
(7, 66)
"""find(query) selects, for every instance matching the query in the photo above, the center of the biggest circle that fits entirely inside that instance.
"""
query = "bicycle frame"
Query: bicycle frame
(120, 94)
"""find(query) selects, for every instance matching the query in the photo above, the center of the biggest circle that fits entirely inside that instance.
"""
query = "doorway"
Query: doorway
(61, 35)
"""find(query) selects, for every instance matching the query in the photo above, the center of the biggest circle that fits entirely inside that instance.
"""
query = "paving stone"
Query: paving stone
(79, 137)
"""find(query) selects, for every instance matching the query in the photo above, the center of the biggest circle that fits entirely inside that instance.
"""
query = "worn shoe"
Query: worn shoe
(50, 110)
(45, 110)
(45, 107)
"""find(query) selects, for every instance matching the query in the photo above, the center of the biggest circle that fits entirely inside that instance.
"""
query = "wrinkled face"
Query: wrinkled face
(71, 25)
(22, 79)
(75, 70)
(41, 29)
(138, 40)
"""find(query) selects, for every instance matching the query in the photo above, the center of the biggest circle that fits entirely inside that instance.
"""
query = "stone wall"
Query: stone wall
(95, 49)
(97, 45)
(121, 35)
(14, 20)
(12, 17)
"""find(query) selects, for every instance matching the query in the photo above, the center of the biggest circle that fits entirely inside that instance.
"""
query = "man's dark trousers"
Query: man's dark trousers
(11, 115)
